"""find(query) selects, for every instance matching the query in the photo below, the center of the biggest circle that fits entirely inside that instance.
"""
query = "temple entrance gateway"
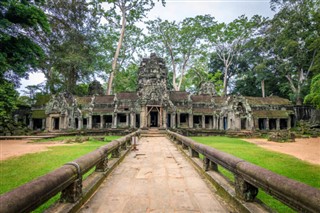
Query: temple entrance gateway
(154, 116)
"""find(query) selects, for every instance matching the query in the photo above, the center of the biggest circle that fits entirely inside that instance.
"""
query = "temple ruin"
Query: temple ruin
(154, 105)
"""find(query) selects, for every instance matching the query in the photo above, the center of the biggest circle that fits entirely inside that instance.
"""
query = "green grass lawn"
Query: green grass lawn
(282, 164)
(19, 170)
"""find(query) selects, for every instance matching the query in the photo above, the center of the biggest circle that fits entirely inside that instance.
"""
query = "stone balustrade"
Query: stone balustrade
(67, 179)
(249, 177)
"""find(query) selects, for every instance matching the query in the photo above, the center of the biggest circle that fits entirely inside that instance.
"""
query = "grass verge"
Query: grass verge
(282, 164)
(20, 170)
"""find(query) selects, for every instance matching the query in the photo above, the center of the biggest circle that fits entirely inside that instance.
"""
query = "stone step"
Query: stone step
(152, 135)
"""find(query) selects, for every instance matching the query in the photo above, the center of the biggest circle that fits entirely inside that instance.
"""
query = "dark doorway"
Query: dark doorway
(243, 123)
(85, 123)
(225, 123)
(37, 124)
(76, 120)
(56, 122)
(154, 119)
(169, 120)
(272, 124)
(108, 120)
(261, 122)
(137, 120)
(96, 120)
(283, 123)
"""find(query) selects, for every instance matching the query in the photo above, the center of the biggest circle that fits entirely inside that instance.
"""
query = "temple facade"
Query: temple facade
(154, 105)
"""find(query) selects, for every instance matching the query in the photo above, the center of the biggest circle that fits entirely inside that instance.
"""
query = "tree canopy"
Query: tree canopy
(75, 43)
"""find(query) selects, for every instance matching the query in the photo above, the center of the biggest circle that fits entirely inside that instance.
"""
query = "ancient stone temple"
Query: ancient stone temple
(154, 105)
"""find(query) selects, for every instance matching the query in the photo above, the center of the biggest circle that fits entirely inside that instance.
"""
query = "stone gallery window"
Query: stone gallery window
(272, 124)
(283, 123)
(122, 118)
(96, 121)
(262, 123)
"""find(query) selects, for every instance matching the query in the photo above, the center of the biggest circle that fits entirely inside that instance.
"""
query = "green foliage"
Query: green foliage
(282, 164)
(126, 80)
(81, 89)
(21, 22)
(8, 99)
(314, 96)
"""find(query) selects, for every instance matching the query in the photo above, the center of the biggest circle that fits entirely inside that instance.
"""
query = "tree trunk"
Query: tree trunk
(116, 55)
(225, 81)
(263, 89)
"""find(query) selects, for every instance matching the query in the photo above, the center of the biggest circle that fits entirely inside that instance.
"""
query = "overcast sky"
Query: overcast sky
(222, 10)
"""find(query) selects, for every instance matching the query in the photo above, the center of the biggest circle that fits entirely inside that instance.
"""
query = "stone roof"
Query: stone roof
(83, 100)
(203, 110)
(219, 100)
(201, 98)
(271, 113)
(38, 114)
(178, 96)
(104, 99)
(104, 110)
(127, 96)
(273, 100)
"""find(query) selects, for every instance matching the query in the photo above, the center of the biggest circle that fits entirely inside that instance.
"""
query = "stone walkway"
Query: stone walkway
(156, 178)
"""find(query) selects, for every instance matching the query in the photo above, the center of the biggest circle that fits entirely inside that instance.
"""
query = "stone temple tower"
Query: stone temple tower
(153, 92)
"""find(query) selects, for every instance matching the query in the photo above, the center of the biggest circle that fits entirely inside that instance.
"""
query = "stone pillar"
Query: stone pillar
(89, 126)
(31, 124)
(237, 123)
(164, 115)
(178, 120)
(80, 123)
(203, 120)
(214, 123)
(289, 123)
(221, 123)
(101, 122)
(278, 124)
(115, 120)
(132, 120)
(127, 120)
(143, 120)
(190, 120)
(173, 120)
(43, 123)
(267, 123)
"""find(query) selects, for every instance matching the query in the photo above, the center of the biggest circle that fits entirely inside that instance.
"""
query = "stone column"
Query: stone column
(101, 122)
(221, 123)
(203, 120)
(289, 123)
(278, 124)
(164, 113)
(214, 123)
(89, 126)
(143, 120)
(190, 120)
(43, 123)
(80, 123)
(127, 120)
(31, 124)
(115, 120)
(132, 120)
(173, 120)
(267, 123)
(178, 120)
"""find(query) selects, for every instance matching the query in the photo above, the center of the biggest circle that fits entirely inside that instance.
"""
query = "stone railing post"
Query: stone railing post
(193, 153)
(73, 192)
(116, 153)
(102, 166)
(244, 190)
(209, 165)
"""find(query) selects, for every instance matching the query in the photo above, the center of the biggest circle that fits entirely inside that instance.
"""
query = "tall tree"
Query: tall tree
(228, 40)
(71, 46)
(129, 12)
(21, 23)
(292, 36)
(180, 42)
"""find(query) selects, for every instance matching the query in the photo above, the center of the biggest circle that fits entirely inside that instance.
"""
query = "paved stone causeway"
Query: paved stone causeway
(156, 178)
